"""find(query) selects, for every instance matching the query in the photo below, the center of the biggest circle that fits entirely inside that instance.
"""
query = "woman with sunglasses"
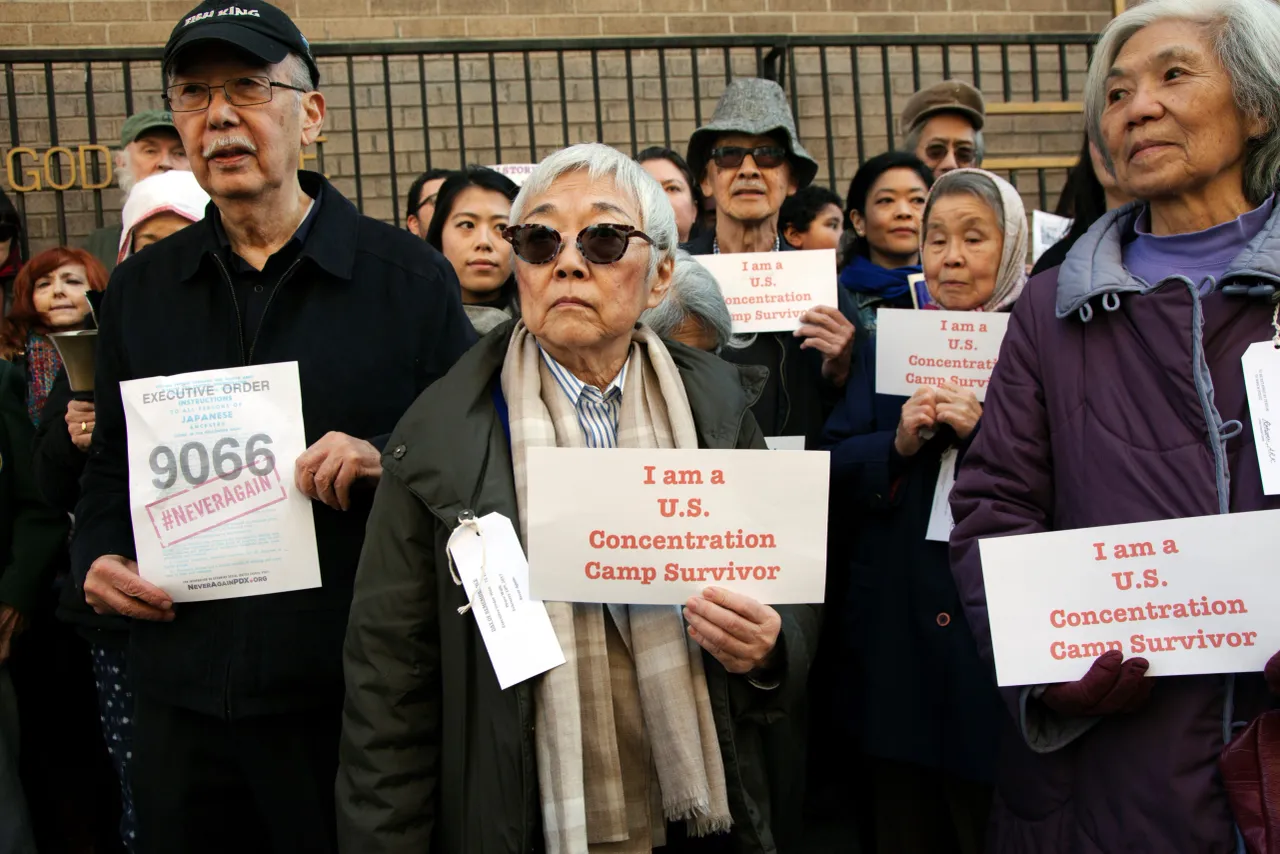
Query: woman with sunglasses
(433, 754)
(749, 158)
(471, 210)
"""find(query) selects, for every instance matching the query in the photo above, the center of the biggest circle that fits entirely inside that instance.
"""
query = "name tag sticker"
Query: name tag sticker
(1261, 363)
(516, 629)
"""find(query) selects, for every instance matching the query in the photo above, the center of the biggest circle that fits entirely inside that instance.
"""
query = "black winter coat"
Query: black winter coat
(796, 399)
(912, 688)
(373, 316)
(58, 465)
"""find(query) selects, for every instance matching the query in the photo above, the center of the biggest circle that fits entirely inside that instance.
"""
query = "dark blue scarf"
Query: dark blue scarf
(863, 277)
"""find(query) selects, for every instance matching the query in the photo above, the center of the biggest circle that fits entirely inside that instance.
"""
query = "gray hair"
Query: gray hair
(694, 293)
(912, 141)
(970, 183)
(1244, 35)
(657, 217)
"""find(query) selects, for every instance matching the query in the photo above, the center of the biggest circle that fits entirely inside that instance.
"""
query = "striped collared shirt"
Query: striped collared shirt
(597, 410)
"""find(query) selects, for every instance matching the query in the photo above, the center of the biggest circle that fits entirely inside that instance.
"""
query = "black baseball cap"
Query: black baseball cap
(254, 27)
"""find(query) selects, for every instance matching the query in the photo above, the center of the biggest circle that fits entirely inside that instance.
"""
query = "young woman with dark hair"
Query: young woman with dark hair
(881, 250)
(472, 208)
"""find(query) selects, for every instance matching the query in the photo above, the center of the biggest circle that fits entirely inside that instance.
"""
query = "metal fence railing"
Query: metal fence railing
(398, 108)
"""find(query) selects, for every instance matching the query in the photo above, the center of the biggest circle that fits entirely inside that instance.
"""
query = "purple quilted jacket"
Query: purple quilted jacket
(1117, 401)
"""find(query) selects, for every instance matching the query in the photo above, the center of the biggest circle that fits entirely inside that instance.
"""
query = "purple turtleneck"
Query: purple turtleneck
(1197, 255)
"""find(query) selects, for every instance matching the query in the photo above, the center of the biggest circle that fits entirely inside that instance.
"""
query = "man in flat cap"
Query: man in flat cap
(239, 700)
(943, 126)
(749, 158)
(149, 145)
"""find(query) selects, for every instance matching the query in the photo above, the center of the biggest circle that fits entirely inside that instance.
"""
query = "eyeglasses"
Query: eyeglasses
(429, 200)
(765, 156)
(8, 232)
(965, 155)
(240, 92)
(604, 243)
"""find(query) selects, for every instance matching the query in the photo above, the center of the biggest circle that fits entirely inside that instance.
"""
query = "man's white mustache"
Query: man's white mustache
(229, 142)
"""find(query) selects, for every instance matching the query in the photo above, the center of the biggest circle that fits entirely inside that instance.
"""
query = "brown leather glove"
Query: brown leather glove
(1112, 686)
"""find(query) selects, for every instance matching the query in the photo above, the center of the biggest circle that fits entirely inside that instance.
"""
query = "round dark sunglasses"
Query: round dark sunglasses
(604, 243)
(765, 156)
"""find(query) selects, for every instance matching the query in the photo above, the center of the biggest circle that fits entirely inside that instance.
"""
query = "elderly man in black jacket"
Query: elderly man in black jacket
(749, 158)
(239, 700)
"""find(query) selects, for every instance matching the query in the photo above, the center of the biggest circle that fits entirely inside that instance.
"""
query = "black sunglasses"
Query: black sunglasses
(604, 243)
(7, 231)
(765, 156)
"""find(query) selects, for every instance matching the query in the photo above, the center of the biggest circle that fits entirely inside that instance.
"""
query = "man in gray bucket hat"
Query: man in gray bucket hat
(749, 158)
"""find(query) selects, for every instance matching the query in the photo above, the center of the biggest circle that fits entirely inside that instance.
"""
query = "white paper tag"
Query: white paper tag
(1261, 363)
(940, 520)
(785, 443)
(516, 629)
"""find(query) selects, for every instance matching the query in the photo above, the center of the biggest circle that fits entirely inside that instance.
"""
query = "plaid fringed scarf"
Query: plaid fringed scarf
(626, 722)
(43, 365)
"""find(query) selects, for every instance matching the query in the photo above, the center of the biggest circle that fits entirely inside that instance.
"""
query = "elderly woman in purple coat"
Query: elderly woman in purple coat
(1119, 397)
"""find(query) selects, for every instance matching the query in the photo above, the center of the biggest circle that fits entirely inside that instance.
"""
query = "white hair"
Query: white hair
(657, 218)
(1244, 35)
(694, 293)
(124, 170)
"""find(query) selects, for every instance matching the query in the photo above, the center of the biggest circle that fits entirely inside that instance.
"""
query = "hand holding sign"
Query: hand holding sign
(1111, 686)
(918, 413)
(959, 408)
(829, 332)
(328, 469)
(113, 586)
(736, 629)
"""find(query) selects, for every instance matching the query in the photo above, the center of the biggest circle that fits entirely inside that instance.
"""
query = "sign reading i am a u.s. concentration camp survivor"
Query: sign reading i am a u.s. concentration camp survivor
(654, 527)
(769, 291)
(934, 348)
(1194, 595)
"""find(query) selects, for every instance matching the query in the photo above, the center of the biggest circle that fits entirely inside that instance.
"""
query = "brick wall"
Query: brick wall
(442, 110)
(46, 23)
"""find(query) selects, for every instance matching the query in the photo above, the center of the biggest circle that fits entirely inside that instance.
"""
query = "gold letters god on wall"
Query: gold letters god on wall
(28, 171)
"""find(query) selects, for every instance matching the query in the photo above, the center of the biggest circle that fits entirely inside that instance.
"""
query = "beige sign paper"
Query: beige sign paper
(1194, 595)
(915, 348)
(654, 527)
(768, 291)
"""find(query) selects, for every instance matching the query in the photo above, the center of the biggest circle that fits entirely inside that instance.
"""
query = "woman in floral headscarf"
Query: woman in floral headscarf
(918, 702)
